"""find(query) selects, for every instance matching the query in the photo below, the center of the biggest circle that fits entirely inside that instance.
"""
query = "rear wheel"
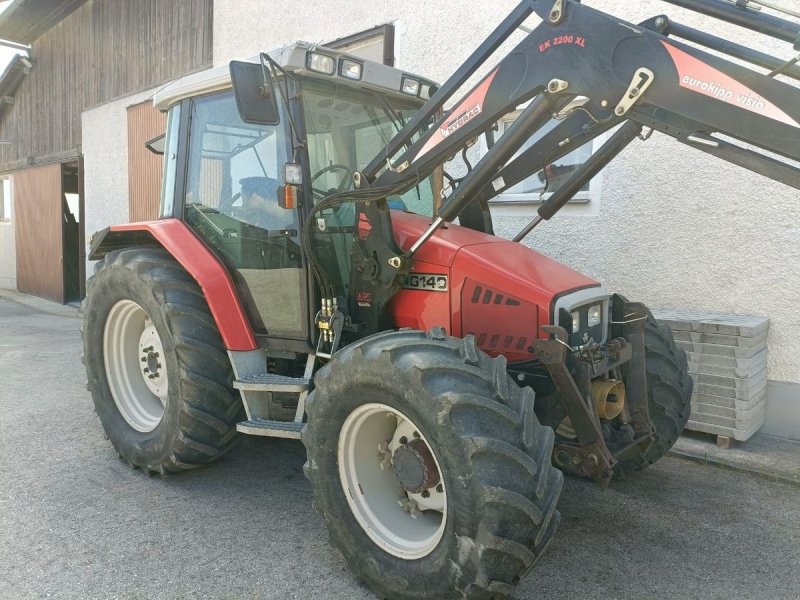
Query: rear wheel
(430, 467)
(158, 373)
(669, 392)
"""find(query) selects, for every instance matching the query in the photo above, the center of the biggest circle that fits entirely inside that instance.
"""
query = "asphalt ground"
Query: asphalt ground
(76, 522)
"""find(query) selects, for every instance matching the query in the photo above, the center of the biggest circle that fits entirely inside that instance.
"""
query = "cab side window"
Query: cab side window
(231, 195)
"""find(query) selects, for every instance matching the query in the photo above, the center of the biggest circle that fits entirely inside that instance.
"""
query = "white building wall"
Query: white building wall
(105, 161)
(674, 228)
(8, 249)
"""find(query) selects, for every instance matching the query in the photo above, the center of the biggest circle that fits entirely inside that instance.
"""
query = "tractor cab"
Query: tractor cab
(244, 184)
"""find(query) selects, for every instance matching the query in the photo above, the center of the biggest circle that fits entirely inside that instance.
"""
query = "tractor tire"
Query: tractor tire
(497, 489)
(669, 392)
(140, 301)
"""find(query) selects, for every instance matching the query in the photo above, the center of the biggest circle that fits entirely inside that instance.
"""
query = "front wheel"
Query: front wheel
(430, 467)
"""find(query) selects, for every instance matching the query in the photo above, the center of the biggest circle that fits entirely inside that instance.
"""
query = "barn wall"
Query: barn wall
(104, 50)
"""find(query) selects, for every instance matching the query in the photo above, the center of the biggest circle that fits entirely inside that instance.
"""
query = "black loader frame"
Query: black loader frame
(633, 76)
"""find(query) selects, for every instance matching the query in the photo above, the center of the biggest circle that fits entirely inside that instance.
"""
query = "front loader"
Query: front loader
(306, 279)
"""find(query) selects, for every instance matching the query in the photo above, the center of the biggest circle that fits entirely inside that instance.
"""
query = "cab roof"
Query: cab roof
(294, 58)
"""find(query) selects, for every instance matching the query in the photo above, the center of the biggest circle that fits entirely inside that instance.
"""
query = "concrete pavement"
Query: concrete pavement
(76, 522)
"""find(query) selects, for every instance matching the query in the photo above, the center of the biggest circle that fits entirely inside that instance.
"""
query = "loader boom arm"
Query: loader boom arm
(627, 71)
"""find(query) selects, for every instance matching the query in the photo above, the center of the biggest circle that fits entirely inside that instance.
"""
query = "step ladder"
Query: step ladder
(256, 387)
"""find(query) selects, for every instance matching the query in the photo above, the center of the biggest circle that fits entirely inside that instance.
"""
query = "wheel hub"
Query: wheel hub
(415, 467)
(150, 352)
(134, 357)
(152, 363)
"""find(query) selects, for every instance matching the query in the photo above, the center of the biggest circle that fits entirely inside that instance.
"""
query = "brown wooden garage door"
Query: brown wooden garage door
(144, 167)
(39, 214)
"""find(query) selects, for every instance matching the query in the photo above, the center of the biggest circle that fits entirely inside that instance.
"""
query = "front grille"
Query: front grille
(584, 333)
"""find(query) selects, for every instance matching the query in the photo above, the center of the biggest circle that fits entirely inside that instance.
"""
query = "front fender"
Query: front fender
(210, 274)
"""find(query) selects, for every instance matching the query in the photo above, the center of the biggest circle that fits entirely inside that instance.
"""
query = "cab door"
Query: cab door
(234, 172)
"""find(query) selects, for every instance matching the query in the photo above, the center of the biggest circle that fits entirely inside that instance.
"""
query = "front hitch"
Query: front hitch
(633, 322)
(588, 454)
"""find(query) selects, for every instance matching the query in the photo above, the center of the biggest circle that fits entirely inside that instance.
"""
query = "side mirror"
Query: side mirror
(254, 90)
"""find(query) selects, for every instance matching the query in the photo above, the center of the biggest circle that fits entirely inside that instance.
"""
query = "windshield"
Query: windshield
(346, 129)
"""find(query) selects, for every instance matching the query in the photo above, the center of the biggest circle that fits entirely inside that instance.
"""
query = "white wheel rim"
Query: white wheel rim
(134, 360)
(404, 524)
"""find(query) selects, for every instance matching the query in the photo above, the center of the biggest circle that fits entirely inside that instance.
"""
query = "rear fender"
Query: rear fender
(206, 269)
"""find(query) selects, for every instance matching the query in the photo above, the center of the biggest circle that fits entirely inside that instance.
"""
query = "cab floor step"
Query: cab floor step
(282, 429)
(267, 382)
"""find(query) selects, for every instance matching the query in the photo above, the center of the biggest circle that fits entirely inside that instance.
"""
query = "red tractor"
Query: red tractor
(306, 280)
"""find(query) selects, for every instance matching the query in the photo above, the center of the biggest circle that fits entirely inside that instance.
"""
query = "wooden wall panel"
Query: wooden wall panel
(39, 214)
(144, 167)
(104, 50)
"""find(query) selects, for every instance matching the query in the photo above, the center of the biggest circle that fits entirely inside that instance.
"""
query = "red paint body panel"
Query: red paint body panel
(498, 266)
(422, 309)
(211, 276)
(502, 322)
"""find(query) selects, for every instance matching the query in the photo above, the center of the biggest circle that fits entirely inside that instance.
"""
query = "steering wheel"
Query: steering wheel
(346, 178)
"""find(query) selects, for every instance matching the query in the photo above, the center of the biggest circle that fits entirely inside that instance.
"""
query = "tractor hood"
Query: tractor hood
(473, 283)
(519, 266)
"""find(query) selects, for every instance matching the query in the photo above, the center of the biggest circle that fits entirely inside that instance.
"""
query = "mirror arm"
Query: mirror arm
(274, 67)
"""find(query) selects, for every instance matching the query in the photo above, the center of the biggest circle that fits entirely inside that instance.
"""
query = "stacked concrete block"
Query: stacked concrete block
(727, 357)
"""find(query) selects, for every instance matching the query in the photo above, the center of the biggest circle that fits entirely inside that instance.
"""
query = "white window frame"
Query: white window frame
(583, 202)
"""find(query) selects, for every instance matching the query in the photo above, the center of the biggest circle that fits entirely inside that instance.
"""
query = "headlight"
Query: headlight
(584, 314)
(410, 86)
(595, 315)
(350, 69)
(321, 63)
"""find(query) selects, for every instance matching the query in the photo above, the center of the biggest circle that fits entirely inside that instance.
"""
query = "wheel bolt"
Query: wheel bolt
(404, 440)
(145, 370)
(425, 494)
(144, 359)
(416, 435)
(152, 376)
(440, 488)
(158, 365)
